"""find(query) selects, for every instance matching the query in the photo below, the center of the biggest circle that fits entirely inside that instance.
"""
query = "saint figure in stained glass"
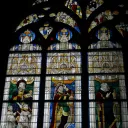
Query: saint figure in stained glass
(21, 91)
(62, 110)
(108, 111)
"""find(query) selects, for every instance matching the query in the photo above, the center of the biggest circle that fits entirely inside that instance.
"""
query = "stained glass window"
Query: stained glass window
(22, 84)
(53, 81)
(106, 89)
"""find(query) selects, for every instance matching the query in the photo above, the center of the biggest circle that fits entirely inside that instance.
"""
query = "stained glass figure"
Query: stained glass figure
(63, 63)
(61, 46)
(123, 29)
(27, 37)
(104, 34)
(64, 35)
(107, 111)
(46, 30)
(93, 5)
(24, 63)
(19, 114)
(74, 6)
(63, 112)
(102, 17)
(21, 88)
(28, 20)
(64, 18)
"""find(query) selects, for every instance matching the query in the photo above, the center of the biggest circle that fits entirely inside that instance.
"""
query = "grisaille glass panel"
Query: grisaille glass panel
(26, 63)
(62, 63)
(105, 62)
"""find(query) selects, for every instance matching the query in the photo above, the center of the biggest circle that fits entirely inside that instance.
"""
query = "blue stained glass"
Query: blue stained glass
(64, 35)
(27, 37)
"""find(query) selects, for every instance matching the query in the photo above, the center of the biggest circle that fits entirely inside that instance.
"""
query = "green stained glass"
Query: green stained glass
(107, 111)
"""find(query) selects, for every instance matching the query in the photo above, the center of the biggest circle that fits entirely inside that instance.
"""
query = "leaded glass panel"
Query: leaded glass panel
(105, 62)
(64, 63)
(14, 91)
(26, 63)
(70, 85)
(107, 111)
